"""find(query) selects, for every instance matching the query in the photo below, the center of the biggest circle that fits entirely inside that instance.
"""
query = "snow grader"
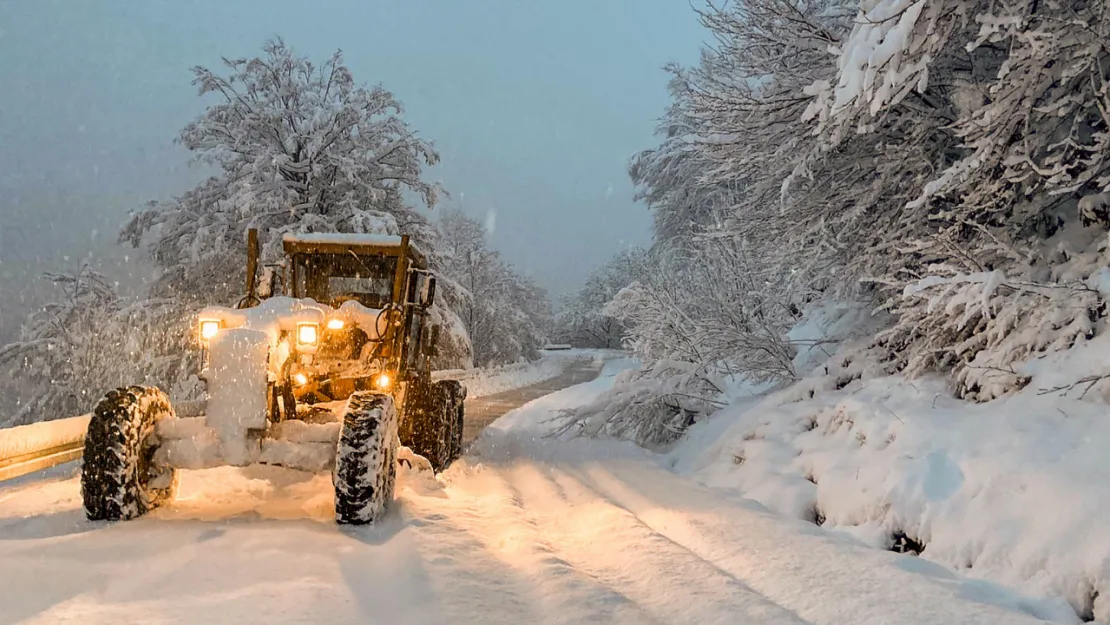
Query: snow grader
(323, 365)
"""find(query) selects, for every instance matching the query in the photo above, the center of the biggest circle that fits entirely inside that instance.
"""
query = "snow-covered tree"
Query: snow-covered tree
(505, 314)
(709, 307)
(1022, 87)
(582, 320)
(944, 162)
(866, 148)
(297, 147)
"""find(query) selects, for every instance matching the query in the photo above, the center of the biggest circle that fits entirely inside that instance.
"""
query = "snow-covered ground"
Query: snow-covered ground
(525, 529)
(1015, 491)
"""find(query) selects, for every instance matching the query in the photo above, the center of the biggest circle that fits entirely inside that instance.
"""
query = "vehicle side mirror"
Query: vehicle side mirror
(428, 292)
(431, 346)
(272, 282)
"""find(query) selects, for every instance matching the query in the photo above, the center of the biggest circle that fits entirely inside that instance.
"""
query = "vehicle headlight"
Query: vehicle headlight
(335, 324)
(209, 328)
(308, 333)
(383, 382)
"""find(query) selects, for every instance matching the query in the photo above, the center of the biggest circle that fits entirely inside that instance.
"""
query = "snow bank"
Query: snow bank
(493, 380)
(824, 578)
(540, 418)
(826, 326)
(25, 439)
(1015, 491)
(314, 457)
(301, 432)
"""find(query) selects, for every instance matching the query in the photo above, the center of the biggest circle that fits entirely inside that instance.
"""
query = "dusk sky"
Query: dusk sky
(535, 107)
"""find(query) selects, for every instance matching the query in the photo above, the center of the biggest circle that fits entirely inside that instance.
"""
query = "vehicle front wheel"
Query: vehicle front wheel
(366, 459)
(119, 480)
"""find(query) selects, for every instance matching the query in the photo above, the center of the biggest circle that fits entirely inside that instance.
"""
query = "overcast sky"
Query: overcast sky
(536, 107)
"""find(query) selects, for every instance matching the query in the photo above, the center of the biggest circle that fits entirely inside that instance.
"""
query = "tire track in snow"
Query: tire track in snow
(610, 544)
(222, 557)
(443, 576)
(565, 482)
(485, 507)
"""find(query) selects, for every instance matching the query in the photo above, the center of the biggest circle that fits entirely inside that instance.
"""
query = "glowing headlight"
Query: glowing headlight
(209, 328)
(301, 379)
(308, 333)
(382, 381)
(335, 324)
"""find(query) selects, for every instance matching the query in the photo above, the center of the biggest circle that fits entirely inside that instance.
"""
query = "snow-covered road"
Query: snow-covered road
(523, 530)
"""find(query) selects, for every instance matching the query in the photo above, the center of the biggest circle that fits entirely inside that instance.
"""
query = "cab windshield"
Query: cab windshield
(337, 278)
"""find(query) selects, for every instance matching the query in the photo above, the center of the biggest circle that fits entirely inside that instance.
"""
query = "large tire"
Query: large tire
(423, 427)
(432, 426)
(119, 480)
(366, 459)
(454, 398)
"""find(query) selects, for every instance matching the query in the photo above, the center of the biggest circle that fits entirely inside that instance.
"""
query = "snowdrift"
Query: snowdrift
(1016, 490)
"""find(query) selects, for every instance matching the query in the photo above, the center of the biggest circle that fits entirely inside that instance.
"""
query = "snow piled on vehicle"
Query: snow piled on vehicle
(343, 238)
(237, 391)
(282, 314)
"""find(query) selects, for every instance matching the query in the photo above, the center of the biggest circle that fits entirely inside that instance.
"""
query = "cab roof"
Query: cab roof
(342, 242)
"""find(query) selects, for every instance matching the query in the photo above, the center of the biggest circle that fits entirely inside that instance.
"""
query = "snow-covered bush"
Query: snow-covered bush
(696, 316)
(87, 342)
(653, 407)
(981, 326)
(709, 306)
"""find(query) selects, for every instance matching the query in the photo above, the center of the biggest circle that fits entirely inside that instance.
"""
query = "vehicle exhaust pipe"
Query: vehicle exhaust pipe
(251, 299)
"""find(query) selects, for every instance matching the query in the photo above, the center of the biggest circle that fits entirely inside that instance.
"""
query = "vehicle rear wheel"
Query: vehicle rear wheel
(366, 459)
(422, 427)
(119, 480)
(432, 427)
(454, 398)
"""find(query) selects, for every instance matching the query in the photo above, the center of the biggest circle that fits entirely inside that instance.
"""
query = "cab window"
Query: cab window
(336, 278)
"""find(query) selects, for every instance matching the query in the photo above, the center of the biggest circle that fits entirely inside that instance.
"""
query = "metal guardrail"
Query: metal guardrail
(29, 448)
(23, 464)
